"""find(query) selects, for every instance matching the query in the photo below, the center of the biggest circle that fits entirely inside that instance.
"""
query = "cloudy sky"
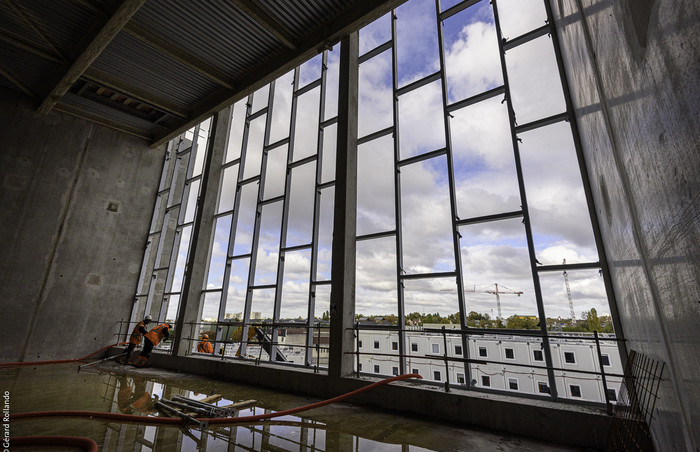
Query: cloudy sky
(484, 172)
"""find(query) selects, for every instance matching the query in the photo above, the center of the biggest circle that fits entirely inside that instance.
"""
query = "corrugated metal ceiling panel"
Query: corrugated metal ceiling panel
(141, 66)
(215, 35)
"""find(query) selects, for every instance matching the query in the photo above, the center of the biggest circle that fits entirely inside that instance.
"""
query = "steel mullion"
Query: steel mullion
(329, 122)
(374, 52)
(475, 99)
(258, 219)
(303, 161)
(489, 218)
(276, 144)
(456, 9)
(376, 235)
(542, 122)
(296, 247)
(428, 275)
(527, 37)
(315, 84)
(397, 197)
(285, 201)
(418, 83)
(597, 235)
(580, 266)
(169, 273)
(316, 215)
(326, 185)
(234, 220)
(374, 135)
(422, 157)
(526, 214)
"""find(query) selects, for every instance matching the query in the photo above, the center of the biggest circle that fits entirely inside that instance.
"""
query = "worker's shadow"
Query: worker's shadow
(132, 397)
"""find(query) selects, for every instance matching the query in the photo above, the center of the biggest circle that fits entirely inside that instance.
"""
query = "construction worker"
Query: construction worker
(135, 339)
(151, 339)
(204, 345)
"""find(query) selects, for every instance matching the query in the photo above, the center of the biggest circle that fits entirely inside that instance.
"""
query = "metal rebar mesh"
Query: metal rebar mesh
(635, 405)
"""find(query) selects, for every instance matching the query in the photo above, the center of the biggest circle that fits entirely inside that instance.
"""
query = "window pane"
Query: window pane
(268, 244)
(181, 247)
(375, 34)
(325, 235)
(421, 121)
(417, 44)
(227, 194)
(484, 162)
(301, 204)
(330, 141)
(282, 107)
(375, 98)
(472, 60)
(559, 215)
(219, 249)
(306, 125)
(375, 186)
(260, 98)
(192, 190)
(426, 222)
(376, 277)
(246, 219)
(310, 71)
(535, 87)
(295, 285)
(275, 172)
(254, 147)
(210, 309)
(237, 289)
(332, 75)
(517, 17)
(235, 137)
(495, 259)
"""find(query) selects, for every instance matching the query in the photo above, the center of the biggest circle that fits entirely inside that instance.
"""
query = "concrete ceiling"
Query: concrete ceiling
(154, 68)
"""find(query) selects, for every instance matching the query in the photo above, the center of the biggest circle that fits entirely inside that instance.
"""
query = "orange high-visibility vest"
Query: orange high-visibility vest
(205, 347)
(136, 334)
(157, 333)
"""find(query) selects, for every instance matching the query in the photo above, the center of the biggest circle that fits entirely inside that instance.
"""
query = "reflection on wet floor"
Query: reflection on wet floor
(114, 388)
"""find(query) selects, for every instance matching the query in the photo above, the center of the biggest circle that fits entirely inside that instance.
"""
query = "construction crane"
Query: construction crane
(498, 291)
(568, 292)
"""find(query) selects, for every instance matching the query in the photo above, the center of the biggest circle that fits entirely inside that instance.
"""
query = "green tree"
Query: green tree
(326, 315)
(592, 321)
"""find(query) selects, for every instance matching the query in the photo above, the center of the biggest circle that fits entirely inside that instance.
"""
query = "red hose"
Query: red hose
(221, 420)
(86, 444)
(56, 361)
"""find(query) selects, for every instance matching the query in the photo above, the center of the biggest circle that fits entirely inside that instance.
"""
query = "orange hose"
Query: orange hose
(57, 361)
(221, 420)
(86, 444)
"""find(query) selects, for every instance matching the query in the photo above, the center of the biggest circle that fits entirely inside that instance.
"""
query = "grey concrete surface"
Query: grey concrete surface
(532, 418)
(633, 67)
(76, 200)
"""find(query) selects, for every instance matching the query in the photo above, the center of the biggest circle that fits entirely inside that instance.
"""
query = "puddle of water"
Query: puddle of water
(121, 389)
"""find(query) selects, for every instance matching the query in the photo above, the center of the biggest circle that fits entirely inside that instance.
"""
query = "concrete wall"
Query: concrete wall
(76, 204)
(633, 68)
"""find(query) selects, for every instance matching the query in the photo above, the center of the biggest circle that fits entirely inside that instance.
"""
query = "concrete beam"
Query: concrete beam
(113, 26)
(344, 223)
(204, 223)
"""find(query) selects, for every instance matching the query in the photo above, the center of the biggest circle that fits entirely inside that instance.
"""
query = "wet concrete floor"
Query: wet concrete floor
(111, 387)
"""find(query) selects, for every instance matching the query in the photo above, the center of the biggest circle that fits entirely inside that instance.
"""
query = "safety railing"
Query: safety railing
(256, 341)
(465, 342)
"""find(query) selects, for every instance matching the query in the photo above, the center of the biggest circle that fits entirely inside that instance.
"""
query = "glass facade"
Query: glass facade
(472, 214)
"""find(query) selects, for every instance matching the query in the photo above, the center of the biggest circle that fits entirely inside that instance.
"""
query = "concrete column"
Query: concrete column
(344, 223)
(202, 230)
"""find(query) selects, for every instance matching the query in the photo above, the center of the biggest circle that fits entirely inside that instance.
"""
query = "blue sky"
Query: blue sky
(484, 172)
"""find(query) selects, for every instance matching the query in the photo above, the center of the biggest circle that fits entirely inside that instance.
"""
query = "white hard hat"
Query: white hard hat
(148, 317)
